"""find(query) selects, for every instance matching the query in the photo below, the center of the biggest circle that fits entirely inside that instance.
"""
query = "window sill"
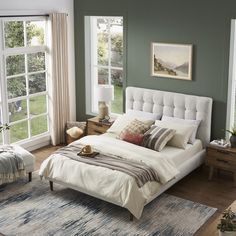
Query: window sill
(35, 142)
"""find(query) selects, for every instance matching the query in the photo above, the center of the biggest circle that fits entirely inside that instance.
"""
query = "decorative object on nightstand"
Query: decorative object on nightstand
(232, 137)
(105, 95)
(95, 126)
(221, 143)
(221, 159)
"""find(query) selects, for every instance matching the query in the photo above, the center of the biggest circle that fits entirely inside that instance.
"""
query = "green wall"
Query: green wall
(205, 24)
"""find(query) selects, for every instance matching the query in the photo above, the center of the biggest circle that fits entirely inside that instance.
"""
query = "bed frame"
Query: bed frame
(175, 105)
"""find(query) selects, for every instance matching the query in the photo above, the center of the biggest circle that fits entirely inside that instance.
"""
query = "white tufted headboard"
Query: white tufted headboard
(173, 104)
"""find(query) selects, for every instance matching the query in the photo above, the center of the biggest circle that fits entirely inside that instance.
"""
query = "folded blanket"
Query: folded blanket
(11, 165)
(141, 172)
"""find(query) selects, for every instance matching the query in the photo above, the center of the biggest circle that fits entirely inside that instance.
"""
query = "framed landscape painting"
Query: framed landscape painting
(171, 60)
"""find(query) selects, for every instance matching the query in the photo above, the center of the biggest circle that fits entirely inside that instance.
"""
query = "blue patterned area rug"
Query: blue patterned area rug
(32, 209)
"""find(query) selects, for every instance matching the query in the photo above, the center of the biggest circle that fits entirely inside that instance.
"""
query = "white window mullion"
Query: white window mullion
(109, 51)
(24, 74)
(94, 59)
(5, 112)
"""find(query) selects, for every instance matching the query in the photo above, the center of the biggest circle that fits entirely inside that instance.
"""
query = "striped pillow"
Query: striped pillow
(156, 137)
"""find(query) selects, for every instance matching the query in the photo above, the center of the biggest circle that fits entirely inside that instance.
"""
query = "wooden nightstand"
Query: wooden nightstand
(94, 126)
(221, 159)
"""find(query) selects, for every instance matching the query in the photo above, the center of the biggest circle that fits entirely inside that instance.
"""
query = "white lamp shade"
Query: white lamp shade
(105, 93)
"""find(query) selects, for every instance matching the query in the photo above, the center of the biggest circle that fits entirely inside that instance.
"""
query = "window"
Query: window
(104, 59)
(24, 92)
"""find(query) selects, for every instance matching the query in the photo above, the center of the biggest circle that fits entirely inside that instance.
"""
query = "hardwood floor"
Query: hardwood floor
(42, 153)
(218, 193)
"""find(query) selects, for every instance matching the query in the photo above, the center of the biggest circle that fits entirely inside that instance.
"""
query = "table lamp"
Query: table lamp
(105, 95)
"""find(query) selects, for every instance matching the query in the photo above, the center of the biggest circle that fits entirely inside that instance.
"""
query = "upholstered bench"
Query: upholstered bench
(28, 159)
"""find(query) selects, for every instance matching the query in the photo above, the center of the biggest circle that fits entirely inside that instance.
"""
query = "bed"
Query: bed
(171, 163)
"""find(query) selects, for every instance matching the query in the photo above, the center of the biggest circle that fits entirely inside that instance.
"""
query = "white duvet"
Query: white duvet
(110, 185)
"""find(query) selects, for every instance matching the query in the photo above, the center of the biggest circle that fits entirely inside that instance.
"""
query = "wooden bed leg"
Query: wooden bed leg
(30, 176)
(51, 185)
(131, 217)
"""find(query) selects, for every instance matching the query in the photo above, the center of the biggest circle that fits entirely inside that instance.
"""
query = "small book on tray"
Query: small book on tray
(220, 143)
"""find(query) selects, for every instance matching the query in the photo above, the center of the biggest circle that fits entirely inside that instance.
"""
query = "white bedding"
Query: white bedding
(178, 155)
(115, 186)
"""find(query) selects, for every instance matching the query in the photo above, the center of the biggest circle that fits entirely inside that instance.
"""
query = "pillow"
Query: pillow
(134, 127)
(156, 138)
(75, 132)
(143, 114)
(194, 123)
(133, 138)
(182, 135)
(122, 121)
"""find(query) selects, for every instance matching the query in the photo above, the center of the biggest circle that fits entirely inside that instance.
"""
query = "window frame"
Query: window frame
(4, 53)
(231, 106)
(91, 65)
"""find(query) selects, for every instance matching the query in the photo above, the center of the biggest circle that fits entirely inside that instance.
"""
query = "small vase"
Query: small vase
(233, 141)
(227, 233)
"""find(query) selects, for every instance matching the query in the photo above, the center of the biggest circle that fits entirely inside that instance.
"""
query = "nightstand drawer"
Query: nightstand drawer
(221, 159)
(222, 163)
(94, 126)
(97, 127)
(214, 154)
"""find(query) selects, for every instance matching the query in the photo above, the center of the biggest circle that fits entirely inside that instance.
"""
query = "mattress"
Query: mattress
(176, 155)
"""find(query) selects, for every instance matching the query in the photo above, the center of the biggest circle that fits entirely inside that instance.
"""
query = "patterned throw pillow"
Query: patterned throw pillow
(156, 138)
(133, 138)
(135, 127)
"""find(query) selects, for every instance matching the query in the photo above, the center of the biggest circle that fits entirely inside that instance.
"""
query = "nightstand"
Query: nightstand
(94, 126)
(221, 159)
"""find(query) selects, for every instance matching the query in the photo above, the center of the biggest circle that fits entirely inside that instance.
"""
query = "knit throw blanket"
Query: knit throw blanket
(141, 172)
(11, 165)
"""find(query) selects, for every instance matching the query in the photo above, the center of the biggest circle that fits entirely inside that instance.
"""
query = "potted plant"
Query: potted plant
(227, 225)
(232, 137)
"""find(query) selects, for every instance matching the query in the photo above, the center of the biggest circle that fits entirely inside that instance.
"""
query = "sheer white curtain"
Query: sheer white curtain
(59, 99)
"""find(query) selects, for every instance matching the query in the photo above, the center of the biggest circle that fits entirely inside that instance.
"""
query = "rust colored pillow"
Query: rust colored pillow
(133, 138)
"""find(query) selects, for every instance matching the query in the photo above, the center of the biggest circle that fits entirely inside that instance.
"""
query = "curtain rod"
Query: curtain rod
(47, 15)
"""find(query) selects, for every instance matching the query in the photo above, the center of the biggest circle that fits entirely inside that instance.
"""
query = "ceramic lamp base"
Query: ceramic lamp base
(102, 110)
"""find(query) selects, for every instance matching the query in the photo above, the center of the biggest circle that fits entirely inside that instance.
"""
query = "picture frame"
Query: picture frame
(171, 60)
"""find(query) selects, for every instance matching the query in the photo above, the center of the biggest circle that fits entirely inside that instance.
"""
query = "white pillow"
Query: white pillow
(195, 123)
(182, 135)
(122, 121)
(143, 114)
